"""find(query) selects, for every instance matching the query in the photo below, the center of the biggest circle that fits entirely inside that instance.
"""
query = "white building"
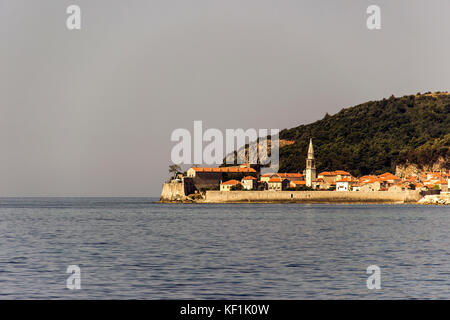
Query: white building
(249, 183)
(345, 184)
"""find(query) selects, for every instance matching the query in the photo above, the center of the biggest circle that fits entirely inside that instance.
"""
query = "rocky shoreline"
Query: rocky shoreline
(441, 199)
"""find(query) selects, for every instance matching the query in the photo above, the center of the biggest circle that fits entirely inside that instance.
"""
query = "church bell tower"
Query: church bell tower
(310, 166)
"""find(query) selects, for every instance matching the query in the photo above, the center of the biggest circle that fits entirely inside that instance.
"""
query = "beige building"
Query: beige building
(249, 183)
(444, 185)
(389, 179)
(290, 176)
(278, 184)
(226, 186)
(397, 187)
(331, 177)
(373, 185)
(295, 184)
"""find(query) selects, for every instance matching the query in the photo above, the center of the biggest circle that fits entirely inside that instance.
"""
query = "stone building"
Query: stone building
(209, 178)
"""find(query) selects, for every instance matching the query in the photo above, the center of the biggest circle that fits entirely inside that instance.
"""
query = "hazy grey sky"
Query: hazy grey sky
(90, 112)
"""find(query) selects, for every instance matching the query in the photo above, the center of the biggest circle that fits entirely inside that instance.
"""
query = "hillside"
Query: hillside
(375, 136)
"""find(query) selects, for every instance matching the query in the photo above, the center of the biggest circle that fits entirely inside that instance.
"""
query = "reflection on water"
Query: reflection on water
(134, 248)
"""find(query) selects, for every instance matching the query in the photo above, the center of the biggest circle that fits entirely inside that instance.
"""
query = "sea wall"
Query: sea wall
(173, 192)
(312, 196)
(178, 190)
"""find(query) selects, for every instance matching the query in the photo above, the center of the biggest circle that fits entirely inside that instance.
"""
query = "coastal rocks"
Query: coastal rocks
(443, 199)
(197, 198)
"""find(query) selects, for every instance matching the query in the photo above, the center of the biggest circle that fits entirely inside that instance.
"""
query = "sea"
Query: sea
(137, 248)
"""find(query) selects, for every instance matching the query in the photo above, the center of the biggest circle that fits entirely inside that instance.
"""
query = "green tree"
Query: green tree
(174, 169)
(374, 137)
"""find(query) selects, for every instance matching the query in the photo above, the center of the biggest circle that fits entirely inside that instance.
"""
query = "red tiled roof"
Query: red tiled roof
(371, 180)
(389, 176)
(335, 173)
(368, 177)
(386, 174)
(249, 178)
(231, 182)
(267, 174)
(342, 173)
(283, 175)
(224, 169)
(345, 180)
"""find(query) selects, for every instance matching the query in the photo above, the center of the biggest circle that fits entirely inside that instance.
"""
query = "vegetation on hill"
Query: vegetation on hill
(375, 136)
(429, 153)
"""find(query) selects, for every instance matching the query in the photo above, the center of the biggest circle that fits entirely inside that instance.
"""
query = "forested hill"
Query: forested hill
(374, 136)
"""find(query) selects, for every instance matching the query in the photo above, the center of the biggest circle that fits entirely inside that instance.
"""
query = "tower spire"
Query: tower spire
(310, 150)
(310, 170)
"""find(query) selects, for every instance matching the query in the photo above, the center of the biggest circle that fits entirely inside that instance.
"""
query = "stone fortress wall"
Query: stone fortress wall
(312, 196)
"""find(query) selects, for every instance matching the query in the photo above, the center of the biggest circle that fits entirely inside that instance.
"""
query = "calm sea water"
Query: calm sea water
(134, 248)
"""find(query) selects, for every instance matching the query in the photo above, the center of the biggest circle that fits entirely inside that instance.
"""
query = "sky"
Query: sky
(90, 112)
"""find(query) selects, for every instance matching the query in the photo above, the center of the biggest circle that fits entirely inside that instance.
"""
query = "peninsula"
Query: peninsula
(357, 148)
(245, 184)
